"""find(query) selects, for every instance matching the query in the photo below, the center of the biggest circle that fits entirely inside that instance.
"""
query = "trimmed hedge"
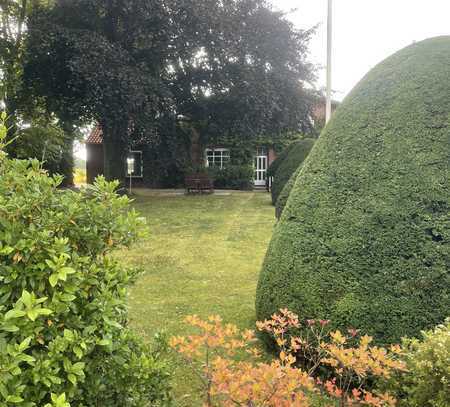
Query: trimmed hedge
(296, 154)
(280, 158)
(283, 197)
(233, 177)
(364, 239)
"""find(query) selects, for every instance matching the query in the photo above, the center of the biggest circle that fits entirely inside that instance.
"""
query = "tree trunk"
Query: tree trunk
(67, 163)
(114, 152)
(196, 149)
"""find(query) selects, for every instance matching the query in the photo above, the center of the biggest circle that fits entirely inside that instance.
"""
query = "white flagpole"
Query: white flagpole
(329, 45)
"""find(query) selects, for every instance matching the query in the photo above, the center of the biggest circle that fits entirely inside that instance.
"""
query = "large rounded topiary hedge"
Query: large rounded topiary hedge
(295, 156)
(364, 239)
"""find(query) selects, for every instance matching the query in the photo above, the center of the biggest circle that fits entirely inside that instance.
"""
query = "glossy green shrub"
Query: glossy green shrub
(364, 239)
(63, 316)
(284, 195)
(297, 153)
(426, 381)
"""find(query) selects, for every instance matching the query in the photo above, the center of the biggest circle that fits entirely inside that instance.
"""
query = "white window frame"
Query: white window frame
(219, 160)
(142, 165)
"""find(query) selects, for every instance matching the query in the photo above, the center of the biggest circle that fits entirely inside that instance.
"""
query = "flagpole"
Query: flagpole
(329, 45)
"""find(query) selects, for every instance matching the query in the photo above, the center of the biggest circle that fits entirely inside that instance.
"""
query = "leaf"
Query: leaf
(44, 311)
(53, 279)
(6, 250)
(32, 314)
(72, 378)
(67, 297)
(14, 313)
(104, 342)
(26, 299)
(67, 270)
(25, 344)
(14, 399)
(10, 328)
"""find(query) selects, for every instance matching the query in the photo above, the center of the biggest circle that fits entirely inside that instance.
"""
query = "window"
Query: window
(134, 165)
(217, 157)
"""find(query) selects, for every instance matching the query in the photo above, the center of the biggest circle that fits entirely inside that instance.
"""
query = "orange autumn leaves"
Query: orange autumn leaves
(228, 379)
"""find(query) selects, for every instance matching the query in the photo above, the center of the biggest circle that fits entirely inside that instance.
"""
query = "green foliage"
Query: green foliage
(218, 68)
(232, 177)
(364, 239)
(63, 314)
(285, 192)
(280, 158)
(297, 153)
(47, 143)
(426, 382)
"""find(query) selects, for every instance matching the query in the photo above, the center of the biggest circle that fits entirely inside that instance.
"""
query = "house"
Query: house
(138, 165)
(177, 157)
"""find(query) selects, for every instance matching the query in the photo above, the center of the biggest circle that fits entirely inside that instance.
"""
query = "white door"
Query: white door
(260, 166)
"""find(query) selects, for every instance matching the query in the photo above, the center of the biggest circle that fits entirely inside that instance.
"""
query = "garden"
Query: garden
(329, 287)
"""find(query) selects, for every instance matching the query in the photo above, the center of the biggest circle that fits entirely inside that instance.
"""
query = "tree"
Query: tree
(101, 60)
(364, 239)
(221, 68)
(25, 114)
(238, 69)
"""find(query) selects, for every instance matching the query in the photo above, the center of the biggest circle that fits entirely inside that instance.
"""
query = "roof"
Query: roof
(96, 136)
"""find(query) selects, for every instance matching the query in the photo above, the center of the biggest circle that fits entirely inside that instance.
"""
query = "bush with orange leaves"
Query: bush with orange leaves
(228, 379)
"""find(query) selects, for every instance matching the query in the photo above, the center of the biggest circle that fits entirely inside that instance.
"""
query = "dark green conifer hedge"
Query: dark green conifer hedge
(290, 161)
(284, 195)
(365, 237)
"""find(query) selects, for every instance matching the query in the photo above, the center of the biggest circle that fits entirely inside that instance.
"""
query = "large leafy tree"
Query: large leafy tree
(38, 133)
(232, 68)
(239, 66)
(101, 60)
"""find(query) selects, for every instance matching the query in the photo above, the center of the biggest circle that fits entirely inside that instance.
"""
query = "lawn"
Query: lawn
(202, 256)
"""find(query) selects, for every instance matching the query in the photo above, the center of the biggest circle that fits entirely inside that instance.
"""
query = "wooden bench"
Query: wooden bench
(199, 183)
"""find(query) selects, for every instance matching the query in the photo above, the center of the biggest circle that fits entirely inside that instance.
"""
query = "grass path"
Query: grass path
(203, 257)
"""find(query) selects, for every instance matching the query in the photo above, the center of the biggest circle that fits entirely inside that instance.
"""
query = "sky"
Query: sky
(365, 32)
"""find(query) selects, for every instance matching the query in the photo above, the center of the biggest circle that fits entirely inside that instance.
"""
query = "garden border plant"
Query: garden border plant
(63, 314)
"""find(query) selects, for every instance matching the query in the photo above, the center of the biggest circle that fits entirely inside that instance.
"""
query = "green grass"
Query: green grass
(203, 256)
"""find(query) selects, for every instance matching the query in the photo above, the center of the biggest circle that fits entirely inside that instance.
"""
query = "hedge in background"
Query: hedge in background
(283, 197)
(63, 316)
(296, 154)
(364, 239)
(232, 177)
(280, 158)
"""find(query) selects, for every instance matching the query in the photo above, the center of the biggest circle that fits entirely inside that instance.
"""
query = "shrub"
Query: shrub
(273, 167)
(426, 382)
(63, 335)
(232, 374)
(365, 237)
(297, 153)
(232, 177)
(284, 195)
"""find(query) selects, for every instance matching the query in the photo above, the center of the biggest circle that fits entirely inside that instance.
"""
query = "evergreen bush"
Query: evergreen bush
(284, 195)
(63, 316)
(295, 156)
(364, 239)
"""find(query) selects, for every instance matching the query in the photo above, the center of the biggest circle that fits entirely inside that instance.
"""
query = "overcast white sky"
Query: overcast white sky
(365, 32)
